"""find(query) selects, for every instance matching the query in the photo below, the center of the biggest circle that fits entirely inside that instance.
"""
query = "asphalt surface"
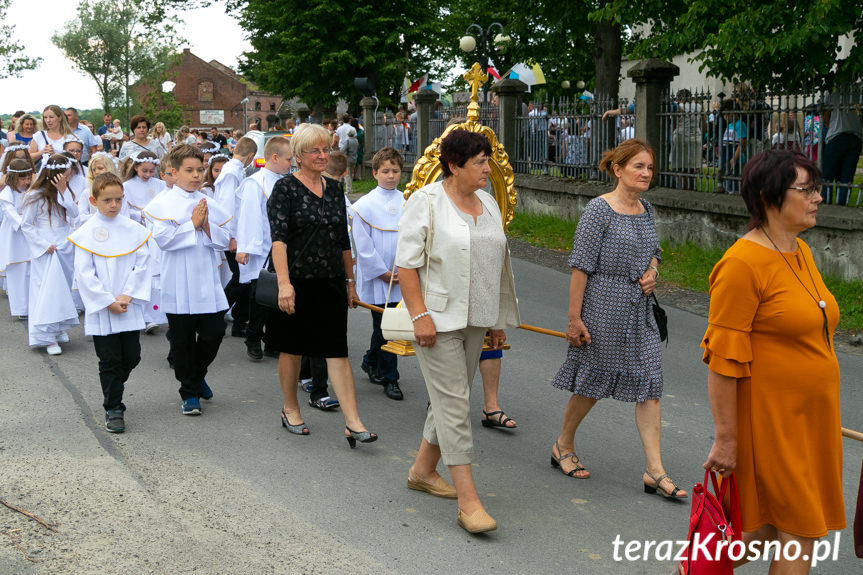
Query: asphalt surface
(233, 492)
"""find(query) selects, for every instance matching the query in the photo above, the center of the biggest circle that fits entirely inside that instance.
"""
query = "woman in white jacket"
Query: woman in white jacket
(466, 289)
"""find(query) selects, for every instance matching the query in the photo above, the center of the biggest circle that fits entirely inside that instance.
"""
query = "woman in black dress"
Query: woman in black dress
(312, 260)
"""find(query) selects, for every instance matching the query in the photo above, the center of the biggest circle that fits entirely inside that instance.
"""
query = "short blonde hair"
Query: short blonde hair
(307, 136)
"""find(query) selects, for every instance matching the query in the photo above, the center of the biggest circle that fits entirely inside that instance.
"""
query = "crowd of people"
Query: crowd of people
(182, 237)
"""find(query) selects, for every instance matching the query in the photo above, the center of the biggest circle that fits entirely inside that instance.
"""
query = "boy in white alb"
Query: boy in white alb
(227, 186)
(375, 224)
(253, 232)
(191, 234)
(111, 259)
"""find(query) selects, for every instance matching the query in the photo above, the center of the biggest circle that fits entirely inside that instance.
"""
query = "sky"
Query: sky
(209, 32)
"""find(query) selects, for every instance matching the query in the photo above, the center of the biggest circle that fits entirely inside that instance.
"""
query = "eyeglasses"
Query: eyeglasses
(317, 152)
(808, 192)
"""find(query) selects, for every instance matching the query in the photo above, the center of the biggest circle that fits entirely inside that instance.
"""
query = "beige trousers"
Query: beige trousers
(448, 368)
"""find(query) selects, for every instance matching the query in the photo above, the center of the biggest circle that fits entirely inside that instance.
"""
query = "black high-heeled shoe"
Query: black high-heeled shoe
(298, 429)
(361, 436)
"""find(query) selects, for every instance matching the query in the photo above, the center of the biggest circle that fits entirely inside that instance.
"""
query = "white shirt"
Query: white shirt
(375, 223)
(227, 187)
(190, 281)
(253, 225)
(13, 244)
(111, 259)
(42, 230)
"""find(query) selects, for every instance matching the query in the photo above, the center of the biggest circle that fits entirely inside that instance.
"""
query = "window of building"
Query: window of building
(272, 107)
(205, 91)
(257, 106)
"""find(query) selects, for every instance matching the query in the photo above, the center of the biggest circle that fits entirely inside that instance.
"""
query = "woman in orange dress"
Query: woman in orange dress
(774, 377)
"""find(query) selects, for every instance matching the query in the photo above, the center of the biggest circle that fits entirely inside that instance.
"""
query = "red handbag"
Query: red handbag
(712, 519)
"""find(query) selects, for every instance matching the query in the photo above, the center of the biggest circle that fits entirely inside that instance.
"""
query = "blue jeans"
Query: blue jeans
(382, 363)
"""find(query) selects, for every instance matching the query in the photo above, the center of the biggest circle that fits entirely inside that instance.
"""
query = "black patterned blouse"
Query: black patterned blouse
(294, 211)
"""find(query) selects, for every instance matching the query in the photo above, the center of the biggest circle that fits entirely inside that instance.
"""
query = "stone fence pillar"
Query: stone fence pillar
(509, 93)
(425, 100)
(652, 78)
(368, 105)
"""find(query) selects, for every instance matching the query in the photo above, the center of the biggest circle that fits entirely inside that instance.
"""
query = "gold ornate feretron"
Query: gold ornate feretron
(428, 169)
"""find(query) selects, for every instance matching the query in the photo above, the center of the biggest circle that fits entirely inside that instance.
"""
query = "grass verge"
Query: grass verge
(685, 265)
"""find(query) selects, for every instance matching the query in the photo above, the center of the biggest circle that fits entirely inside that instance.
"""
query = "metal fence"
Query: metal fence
(566, 137)
(704, 142)
(707, 143)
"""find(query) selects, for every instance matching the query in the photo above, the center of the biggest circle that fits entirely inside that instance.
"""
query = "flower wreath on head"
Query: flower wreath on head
(217, 156)
(139, 160)
(210, 147)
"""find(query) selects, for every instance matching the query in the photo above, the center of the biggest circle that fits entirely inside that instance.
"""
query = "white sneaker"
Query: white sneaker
(151, 327)
(63, 337)
(54, 349)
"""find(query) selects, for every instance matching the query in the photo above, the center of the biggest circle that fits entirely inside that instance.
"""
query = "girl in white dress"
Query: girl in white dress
(14, 151)
(214, 168)
(140, 186)
(14, 251)
(49, 140)
(73, 148)
(49, 209)
(99, 163)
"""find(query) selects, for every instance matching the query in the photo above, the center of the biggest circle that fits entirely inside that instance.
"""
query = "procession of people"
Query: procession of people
(176, 234)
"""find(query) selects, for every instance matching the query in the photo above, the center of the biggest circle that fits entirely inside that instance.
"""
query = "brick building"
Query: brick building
(211, 95)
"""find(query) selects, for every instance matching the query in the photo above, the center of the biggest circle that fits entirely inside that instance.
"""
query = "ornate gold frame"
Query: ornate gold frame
(428, 169)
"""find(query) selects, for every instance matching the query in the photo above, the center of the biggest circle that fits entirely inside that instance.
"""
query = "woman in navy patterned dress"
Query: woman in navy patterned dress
(614, 347)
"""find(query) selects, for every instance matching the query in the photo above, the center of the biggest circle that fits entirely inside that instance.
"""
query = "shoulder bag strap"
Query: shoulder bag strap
(428, 254)
(317, 226)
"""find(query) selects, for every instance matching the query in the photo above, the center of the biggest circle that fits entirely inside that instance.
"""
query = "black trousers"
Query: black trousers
(315, 368)
(118, 355)
(195, 341)
(237, 293)
(382, 363)
(258, 316)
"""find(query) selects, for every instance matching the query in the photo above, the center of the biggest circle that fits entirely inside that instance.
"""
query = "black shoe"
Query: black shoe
(393, 391)
(238, 331)
(271, 353)
(114, 421)
(254, 351)
(370, 371)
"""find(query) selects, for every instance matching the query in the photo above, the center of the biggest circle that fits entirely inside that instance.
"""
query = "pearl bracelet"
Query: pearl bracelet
(416, 317)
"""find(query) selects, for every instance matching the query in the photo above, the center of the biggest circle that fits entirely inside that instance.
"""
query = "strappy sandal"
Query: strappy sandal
(298, 429)
(555, 462)
(500, 421)
(657, 488)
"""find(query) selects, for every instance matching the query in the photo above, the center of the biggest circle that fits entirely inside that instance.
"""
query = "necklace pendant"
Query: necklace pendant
(822, 304)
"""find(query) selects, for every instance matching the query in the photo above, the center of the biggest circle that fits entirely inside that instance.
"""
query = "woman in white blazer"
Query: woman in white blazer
(467, 290)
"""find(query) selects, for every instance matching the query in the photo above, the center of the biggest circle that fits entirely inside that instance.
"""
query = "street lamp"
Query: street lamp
(468, 43)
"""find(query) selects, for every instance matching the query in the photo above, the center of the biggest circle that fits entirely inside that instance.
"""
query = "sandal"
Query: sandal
(500, 421)
(657, 488)
(555, 462)
(298, 429)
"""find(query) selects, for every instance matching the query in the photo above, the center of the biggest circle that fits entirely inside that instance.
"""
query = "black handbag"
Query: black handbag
(267, 287)
(661, 319)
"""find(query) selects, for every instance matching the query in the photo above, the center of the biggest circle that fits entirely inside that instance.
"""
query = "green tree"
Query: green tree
(314, 49)
(13, 60)
(780, 44)
(111, 42)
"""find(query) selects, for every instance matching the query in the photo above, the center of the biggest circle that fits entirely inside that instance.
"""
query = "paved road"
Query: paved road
(232, 492)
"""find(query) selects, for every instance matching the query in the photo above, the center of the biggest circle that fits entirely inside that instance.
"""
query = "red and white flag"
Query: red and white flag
(493, 72)
(418, 84)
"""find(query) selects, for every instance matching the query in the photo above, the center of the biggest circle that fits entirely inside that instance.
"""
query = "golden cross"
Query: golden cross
(475, 77)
